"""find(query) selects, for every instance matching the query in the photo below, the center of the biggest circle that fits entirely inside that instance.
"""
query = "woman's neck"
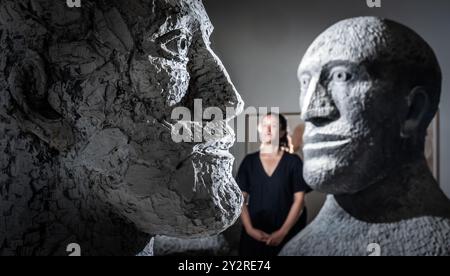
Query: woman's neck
(270, 149)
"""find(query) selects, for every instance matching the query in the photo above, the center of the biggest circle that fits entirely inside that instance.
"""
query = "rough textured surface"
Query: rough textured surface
(86, 154)
(211, 246)
(370, 88)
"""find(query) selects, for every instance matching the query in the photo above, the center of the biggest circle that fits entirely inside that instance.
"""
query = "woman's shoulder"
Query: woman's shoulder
(249, 159)
(251, 156)
(292, 157)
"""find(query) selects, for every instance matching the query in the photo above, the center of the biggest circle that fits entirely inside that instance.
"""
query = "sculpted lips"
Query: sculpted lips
(218, 148)
(320, 142)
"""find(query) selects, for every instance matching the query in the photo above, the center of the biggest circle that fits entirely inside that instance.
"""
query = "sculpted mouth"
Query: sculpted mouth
(325, 142)
(215, 148)
(212, 163)
(217, 139)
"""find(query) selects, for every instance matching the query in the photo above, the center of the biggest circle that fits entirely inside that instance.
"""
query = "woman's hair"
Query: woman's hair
(283, 125)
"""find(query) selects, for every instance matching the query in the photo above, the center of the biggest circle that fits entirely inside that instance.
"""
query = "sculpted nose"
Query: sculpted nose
(211, 83)
(319, 107)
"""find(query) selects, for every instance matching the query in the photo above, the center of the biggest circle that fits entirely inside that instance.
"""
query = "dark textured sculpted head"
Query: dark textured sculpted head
(85, 105)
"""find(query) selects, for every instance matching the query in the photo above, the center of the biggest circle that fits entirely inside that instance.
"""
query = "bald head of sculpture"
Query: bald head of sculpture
(87, 96)
(369, 89)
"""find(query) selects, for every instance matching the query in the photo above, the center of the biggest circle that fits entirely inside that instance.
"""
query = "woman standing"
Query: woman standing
(274, 190)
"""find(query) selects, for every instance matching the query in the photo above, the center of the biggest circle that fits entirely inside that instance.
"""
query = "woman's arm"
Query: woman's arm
(247, 222)
(294, 215)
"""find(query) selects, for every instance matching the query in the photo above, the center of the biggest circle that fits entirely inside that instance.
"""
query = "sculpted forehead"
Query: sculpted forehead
(368, 39)
(190, 10)
(118, 24)
(75, 23)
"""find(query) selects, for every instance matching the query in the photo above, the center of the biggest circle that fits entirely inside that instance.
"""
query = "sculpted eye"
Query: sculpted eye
(304, 81)
(177, 45)
(341, 75)
(174, 42)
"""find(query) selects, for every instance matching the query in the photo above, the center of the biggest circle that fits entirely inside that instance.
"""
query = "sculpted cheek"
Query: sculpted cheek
(160, 78)
(105, 153)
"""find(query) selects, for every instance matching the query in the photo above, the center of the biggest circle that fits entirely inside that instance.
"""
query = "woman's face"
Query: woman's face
(269, 130)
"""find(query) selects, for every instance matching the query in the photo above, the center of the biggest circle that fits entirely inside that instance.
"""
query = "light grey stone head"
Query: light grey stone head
(369, 89)
(86, 101)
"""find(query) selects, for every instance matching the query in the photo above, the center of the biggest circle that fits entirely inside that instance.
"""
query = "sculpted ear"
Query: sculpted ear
(419, 104)
(28, 87)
